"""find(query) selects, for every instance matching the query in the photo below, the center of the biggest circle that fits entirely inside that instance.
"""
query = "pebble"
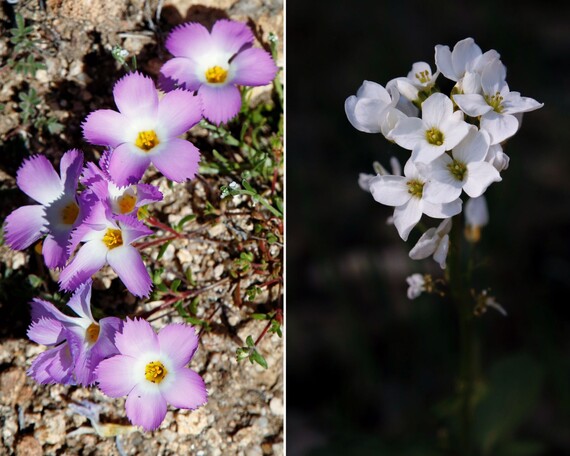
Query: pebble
(276, 406)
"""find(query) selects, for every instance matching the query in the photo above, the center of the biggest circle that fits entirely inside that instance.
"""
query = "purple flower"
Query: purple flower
(213, 63)
(107, 240)
(145, 131)
(151, 371)
(79, 343)
(122, 200)
(60, 209)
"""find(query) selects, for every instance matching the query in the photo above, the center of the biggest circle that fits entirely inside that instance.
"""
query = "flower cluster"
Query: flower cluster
(456, 141)
(88, 218)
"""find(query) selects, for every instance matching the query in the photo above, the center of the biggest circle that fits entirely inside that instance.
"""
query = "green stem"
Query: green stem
(459, 280)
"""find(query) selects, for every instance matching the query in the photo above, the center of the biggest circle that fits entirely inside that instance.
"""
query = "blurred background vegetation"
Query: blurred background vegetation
(368, 371)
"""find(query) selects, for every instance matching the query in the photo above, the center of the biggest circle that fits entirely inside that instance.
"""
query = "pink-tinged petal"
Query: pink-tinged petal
(390, 190)
(180, 71)
(89, 259)
(253, 67)
(442, 211)
(52, 366)
(127, 164)
(220, 104)
(191, 40)
(126, 261)
(178, 342)
(105, 127)
(499, 126)
(407, 216)
(71, 166)
(43, 309)
(443, 62)
(146, 194)
(231, 36)
(145, 407)
(37, 179)
(46, 331)
(187, 391)
(426, 245)
(178, 160)
(409, 132)
(80, 302)
(479, 176)
(132, 228)
(178, 112)
(136, 96)
(473, 105)
(91, 173)
(54, 249)
(105, 345)
(25, 226)
(116, 375)
(137, 339)
(436, 109)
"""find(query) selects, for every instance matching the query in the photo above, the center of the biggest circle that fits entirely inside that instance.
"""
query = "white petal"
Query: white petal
(473, 104)
(465, 54)
(476, 212)
(499, 126)
(425, 152)
(493, 77)
(426, 245)
(443, 62)
(473, 148)
(370, 89)
(514, 103)
(442, 211)
(436, 109)
(440, 255)
(479, 176)
(454, 132)
(390, 190)
(471, 83)
(364, 114)
(388, 121)
(438, 192)
(407, 216)
(408, 132)
(444, 227)
(406, 88)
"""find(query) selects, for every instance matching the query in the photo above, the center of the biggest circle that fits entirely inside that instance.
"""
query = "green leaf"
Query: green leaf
(255, 356)
(175, 284)
(184, 220)
(259, 316)
(162, 250)
(249, 341)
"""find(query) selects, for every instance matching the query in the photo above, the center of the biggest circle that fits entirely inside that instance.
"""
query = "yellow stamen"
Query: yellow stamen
(92, 333)
(216, 75)
(113, 238)
(434, 136)
(126, 203)
(146, 140)
(495, 101)
(415, 188)
(69, 213)
(155, 372)
(457, 169)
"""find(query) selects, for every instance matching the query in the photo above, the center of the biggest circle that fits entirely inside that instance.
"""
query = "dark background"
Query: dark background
(368, 371)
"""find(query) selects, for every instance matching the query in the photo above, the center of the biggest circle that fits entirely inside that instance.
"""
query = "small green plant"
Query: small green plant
(26, 57)
(30, 112)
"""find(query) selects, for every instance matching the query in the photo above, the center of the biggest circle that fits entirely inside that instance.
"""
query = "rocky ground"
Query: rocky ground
(244, 414)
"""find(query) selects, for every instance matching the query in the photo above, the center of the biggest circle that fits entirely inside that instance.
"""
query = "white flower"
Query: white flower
(497, 105)
(464, 64)
(434, 241)
(371, 109)
(364, 180)
(420, 78)
(406, 193)
(476, 217)
(416, 285)
(465, 170)
(440, 129)
(497, 157)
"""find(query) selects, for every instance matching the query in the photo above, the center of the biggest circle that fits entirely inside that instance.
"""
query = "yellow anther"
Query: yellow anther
(113, 238)
(457, 170)
(216, 75)
(146, 140)
(434, 136)
(126, 203)
(69, 213)
(155, 372)
(495, 101)
(415, 188)
(92, 333)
